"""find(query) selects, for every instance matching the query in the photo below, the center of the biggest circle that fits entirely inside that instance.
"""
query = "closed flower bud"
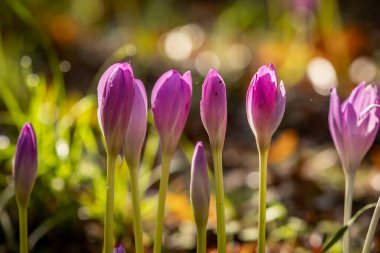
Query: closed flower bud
(214, 108)
(170, 101)
(265, 104)
(115, 98)
(199, 186)
(119, 249)
(354, 124)
(25, 164)
(135, 135)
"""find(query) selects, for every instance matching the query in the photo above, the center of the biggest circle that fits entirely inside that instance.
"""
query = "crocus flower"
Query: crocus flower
(25, 164)
(265, 104)
(214, 108)
(170, 101)
(354, 124)
(199, 186)
(135, 135)
(115, 98)
(119, 249)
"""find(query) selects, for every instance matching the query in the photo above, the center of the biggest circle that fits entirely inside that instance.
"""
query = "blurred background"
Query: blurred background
(52, 54)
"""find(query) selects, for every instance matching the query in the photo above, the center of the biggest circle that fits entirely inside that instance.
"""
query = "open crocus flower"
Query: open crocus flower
(354, 124)
(25, 165)
(265, 104)
(115, 98)
(214, 108)
(170, 101)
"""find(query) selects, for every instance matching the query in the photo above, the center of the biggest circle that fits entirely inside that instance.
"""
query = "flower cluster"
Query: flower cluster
(123, 113)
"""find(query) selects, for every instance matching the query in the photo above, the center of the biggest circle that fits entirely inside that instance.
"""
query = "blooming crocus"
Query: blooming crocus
(25, 164)
(199, 186)
(136, 131)
(354, 124)
(133, 142)
(214, 108)
(353, 127)
(119, 249)
(115, 98)
(265, 104)
(170, 101)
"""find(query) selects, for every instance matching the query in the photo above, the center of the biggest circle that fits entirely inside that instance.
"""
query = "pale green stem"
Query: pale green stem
(165, 169)
(350, 178)
(263, 159)
(201, 239)
(23, 223)
(372, 229)
(136, 209)
(219, 192)
(108, 218)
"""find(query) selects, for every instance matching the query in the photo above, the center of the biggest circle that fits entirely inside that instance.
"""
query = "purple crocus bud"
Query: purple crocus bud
(25, 164)
(115, 98)
(214, 108)
(354, 124)
(265, 104)
(199, 186)
(135, 135)
(170, 101)
(119, 249)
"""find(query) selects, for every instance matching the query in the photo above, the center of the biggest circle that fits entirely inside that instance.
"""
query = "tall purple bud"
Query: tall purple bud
(354, 124)
(135, 135)
(265, 104)
(199, 186)
(115, 98)
(25, 164)
(214, 108)
(170, 101)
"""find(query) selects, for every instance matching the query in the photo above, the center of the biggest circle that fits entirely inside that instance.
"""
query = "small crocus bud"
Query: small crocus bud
(354, 124)
(265, 104)
(25, 164)
(170, 101)
(214, 108)
(119, 249)
(135, 135)
(199, 186)
(115, 98)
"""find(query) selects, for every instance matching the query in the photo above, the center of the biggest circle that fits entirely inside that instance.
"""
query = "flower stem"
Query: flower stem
(108, 218)
(219, 192)
(165, 169)
(135, 192)
(372, 229)
(350, 178)
(201, 239)
(263, 159)
(23, 223)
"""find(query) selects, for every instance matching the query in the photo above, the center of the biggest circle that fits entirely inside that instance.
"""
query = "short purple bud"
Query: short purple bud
(265, 104)
(119, 249)
(135, 135)
(199, 186)
(170, 101)
(214, 108)
(115, 98)
(25, 164)
(354, 124)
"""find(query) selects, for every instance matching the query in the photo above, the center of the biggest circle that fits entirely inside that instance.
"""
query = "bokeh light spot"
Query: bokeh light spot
(322, 75)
